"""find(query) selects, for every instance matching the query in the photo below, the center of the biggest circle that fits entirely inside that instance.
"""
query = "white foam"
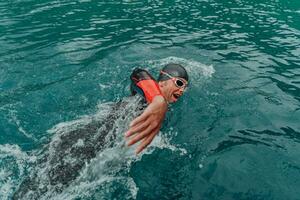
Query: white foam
(14, 119)
(103, 111)
(102, 173)
(110, 169)
(195, 69)
(13, 163)
(162, 141)
(101, 170)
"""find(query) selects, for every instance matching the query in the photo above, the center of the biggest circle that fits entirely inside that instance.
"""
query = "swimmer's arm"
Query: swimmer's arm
(145, 127)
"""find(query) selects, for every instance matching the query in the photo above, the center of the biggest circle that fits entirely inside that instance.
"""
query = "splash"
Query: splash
(162, 141)
(13, 118)
(196, 70)
(84, 155)
(13, 166)
(87, 158)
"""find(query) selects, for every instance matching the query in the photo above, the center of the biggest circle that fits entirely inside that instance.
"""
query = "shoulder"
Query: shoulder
(139, 74)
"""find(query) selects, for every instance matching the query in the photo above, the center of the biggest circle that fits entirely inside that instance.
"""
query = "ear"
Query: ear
(162, 83)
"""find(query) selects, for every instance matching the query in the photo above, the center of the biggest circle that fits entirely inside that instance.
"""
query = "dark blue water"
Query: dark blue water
(234, 135)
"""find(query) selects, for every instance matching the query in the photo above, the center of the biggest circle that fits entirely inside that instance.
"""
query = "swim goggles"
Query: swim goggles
(179, 82)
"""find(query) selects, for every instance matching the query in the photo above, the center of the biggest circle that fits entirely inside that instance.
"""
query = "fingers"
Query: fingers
(140, 118)
(141, 135)
(146, 126)
(137, 128)
(147, 141)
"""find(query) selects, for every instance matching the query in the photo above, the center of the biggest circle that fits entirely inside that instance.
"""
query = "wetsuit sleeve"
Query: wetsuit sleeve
(143, 83)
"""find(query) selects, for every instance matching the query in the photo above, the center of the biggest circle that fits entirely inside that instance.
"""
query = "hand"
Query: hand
(145, 127)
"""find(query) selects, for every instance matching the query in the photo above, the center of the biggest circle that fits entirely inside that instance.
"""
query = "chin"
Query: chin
(172, 100)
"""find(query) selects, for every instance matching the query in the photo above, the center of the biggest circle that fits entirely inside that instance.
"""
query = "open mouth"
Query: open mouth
(176, 96)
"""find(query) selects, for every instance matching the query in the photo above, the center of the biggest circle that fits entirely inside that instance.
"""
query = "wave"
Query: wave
(88, 157)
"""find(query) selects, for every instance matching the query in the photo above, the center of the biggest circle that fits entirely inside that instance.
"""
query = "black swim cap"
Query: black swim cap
(175, 70)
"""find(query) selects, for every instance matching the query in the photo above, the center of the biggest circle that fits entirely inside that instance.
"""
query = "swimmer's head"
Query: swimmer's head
(173, 70)
(173, 80)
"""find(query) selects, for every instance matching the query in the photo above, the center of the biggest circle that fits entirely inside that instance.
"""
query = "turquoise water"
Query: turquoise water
(234, 135)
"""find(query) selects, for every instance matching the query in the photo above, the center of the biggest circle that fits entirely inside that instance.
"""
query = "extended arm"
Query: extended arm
(146, 126)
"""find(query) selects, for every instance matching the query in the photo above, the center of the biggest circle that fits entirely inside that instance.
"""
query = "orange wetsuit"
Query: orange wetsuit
(144, 84)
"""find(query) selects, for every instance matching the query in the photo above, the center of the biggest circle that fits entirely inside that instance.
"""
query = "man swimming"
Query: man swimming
(64, 158)
(172, 81)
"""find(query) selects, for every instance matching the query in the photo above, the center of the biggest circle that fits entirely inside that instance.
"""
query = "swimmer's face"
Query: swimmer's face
(170, 90)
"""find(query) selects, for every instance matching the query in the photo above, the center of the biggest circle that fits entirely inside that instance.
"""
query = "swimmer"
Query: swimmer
(67, 153)
(172, 82)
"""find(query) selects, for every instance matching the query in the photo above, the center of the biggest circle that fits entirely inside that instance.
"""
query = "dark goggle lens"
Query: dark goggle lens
(179, 83)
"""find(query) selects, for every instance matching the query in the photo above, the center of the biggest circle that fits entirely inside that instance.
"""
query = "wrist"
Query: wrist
(160, 99)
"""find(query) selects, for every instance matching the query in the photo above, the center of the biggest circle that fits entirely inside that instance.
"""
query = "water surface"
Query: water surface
(235, 133)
